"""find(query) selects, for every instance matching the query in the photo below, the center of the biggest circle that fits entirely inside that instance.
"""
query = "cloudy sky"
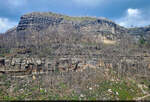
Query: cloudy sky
(124, 12)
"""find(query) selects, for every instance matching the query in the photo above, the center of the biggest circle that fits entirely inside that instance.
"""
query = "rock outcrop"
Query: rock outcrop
(39, 21)
(38, 29)
(72, 43)
(139, 31)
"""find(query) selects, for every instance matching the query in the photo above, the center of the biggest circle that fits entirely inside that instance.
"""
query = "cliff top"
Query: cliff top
(72, 18)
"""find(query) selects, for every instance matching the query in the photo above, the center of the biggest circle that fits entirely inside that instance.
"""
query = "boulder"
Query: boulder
(17, 60)
(13, 62)
(38, 62)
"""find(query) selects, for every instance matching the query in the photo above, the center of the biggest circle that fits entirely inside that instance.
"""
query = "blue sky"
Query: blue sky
(123, 12)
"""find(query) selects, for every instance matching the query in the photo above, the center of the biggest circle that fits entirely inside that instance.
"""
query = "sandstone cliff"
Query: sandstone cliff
(45, 26)
(39, 21)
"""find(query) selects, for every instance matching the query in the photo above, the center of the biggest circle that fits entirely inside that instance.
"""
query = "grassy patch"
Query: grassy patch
(120, 90)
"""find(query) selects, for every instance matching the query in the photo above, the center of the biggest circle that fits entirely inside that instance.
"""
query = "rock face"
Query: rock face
(46, 25)
(47, 28)
(139, 30)
(52, 41)
(39, 21)
(69, 41)
(63, 64)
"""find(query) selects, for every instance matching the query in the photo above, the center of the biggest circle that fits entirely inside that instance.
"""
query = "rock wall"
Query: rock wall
(131, 64)
(45, 64)
(45, 27)
(39, 21)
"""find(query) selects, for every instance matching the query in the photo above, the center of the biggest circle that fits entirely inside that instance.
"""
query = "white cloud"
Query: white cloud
(133, 12)
(134, 17)
(6, 24)
(88, 2)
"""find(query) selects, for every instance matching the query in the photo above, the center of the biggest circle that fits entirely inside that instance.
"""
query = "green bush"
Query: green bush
(142, 41)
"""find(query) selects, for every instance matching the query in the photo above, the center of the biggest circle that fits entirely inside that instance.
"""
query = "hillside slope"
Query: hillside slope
(46, 25)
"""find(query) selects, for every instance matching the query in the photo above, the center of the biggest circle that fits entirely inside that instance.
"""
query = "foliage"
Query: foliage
(142, 41)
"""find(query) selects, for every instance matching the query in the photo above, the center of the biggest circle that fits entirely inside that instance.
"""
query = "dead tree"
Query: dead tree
(76, 66)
